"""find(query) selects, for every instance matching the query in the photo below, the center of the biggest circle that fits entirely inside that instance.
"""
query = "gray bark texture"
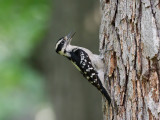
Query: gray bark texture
(130, 45)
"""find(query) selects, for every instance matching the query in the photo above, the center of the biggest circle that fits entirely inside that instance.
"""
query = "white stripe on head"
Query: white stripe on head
(58, 43)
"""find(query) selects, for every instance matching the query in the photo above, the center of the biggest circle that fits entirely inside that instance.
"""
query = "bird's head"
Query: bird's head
(63, 43)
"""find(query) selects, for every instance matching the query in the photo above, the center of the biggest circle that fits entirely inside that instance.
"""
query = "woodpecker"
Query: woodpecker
(89, 64)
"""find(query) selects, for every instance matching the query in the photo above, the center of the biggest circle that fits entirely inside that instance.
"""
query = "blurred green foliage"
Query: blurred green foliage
(22, 27)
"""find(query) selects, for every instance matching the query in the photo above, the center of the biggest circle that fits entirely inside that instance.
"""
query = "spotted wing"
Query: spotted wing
(82, 62)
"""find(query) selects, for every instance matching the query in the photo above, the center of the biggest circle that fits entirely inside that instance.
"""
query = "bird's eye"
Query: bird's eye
(62, 42)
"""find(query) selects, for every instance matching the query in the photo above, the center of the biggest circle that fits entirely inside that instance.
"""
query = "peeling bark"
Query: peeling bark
(130, 45)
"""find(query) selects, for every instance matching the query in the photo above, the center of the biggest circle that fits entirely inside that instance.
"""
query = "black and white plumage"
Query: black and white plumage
(89, 64)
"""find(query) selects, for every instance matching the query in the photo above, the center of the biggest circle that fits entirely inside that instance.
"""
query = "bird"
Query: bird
(90, 65)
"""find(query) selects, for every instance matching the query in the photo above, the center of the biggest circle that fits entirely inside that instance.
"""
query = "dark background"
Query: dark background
(35, 82)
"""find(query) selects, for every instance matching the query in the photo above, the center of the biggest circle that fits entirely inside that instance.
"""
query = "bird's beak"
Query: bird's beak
(70, 36)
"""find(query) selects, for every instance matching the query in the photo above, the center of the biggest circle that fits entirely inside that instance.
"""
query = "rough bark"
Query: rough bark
(130, 42)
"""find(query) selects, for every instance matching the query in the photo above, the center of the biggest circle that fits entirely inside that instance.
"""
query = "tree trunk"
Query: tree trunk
(129, 43)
